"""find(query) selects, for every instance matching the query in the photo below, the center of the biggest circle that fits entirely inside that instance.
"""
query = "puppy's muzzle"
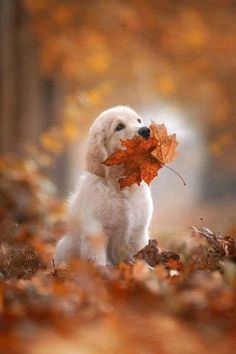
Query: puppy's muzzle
(144, 132)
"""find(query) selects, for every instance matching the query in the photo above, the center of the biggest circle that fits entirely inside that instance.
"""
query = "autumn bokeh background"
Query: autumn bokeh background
(63, 62)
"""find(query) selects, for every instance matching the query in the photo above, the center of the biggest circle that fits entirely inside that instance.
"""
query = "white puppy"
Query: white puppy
(107, 225)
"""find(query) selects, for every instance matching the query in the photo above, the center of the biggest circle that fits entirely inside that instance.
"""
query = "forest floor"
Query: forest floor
(181, 299)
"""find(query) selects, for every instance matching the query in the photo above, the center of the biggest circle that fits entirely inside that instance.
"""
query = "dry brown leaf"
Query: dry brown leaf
(167, 144)
(138, 162)
(150, 254)
(222, 245)
(144, 157)
(153, 256)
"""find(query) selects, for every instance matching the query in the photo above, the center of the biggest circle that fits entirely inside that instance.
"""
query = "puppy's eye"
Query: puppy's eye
(139, 121)
(120, 126)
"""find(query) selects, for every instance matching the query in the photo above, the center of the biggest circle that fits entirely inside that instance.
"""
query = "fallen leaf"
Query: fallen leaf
(222, 245)
(150, 254)
(153, 256)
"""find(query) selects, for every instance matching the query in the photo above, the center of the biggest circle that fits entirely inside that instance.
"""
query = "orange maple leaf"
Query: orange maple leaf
(143, 157)
(166, 148)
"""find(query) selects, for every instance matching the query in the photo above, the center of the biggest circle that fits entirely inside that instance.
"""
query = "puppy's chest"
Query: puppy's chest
(124, 210)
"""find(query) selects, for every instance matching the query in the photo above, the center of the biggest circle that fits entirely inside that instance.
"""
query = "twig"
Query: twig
(203, 224)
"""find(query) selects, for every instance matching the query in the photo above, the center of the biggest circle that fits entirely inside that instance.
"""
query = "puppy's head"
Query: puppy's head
(112, 126)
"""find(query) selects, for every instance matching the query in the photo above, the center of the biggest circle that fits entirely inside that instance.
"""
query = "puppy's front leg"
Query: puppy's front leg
(93, 247)
(93, 241)
(139, 239)
(118, 249)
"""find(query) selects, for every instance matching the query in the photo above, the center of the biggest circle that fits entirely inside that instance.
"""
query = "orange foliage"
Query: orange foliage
(191, 292)
(166, 144)
(67, 308)
(184, 52)
(142, 158)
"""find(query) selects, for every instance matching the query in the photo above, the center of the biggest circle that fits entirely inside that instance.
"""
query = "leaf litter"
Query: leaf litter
(165, 301)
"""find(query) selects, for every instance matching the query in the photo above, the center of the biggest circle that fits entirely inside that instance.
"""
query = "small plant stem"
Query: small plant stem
(203, 222)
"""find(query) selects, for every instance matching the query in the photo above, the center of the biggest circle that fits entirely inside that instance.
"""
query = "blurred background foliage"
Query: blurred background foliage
(64, 61)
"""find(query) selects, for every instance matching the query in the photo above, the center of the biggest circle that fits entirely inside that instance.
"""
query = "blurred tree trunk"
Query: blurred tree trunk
(7, 73)
(29, 102)
(22, 116)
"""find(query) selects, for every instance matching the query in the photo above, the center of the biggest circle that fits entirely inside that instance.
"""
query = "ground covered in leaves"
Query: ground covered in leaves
(181, 300)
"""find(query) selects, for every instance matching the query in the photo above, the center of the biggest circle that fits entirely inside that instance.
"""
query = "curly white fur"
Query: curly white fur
(107, 225)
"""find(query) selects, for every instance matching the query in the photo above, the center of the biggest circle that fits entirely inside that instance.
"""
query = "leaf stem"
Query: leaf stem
(171, 169)
(177, 173)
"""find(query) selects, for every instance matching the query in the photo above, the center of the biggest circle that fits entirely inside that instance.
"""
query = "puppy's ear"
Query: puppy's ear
(96, 152)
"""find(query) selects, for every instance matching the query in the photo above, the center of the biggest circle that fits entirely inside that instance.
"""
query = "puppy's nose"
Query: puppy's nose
(144, 132)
